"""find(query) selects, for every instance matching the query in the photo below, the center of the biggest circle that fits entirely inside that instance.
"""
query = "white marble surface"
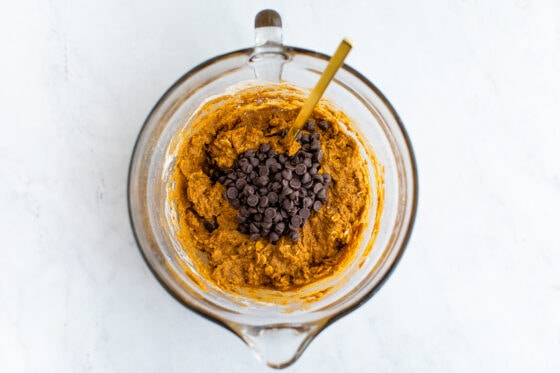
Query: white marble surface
(477, 84)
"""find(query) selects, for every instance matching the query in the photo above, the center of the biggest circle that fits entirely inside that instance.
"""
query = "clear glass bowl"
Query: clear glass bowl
(278, 330)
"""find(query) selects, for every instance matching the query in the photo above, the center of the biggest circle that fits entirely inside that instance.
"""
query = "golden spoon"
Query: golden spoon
(334, 64)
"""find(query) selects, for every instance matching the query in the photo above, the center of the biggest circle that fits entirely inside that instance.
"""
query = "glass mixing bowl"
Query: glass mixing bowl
(279, 325)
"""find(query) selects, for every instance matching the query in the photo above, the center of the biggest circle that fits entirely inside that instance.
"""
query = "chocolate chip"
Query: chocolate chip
(263, 201)
(327, 178)
(273, 237)
(210, 226)
(252, 200)
(296, 220)
(287, 174)
(286, 191)
(254, 236)
(318, 178)
(279, 227)
(317, 205)
(322, 195)
(263, 171)
(294, 236)
(240, 184)
(317, 187)
(235, 203)
(249, 189)
(264, 148)
(301, 155)
(287, 205)
(307, 202)
(305, 178)
(270, 212)
(309, 126)
(315, 145)
(304, 213)
(275, 167)
(301, 169)
(272, 197)
(323, 124)
(243, 211)
(295, 183)
(232, 193)
(261, 180)
(247, 168)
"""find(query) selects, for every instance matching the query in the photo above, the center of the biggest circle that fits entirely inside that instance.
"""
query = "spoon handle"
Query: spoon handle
(334, 64)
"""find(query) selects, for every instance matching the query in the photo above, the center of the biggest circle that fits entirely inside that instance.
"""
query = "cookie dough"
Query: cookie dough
(221, 130)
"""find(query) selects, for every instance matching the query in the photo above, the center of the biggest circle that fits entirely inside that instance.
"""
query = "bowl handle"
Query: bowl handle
(269, 54)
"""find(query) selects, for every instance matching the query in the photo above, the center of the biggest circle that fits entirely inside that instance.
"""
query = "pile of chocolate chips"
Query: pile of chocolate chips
(276, 193)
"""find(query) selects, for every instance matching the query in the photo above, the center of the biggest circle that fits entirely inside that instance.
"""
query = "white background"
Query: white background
(477, 83)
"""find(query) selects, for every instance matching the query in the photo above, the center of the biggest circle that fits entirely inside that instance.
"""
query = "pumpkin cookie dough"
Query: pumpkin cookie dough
(209, 229)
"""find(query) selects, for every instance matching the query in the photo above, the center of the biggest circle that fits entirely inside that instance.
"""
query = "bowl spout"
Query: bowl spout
(278, 345)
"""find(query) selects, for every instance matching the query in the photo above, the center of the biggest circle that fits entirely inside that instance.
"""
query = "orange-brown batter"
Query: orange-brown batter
(229, 125)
